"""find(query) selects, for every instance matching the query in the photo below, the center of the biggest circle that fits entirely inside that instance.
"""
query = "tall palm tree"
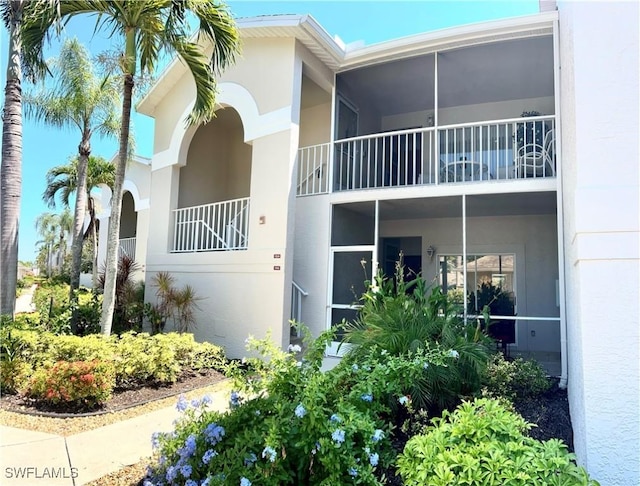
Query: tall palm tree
(62, 181)
(81, 99)
(148, 28)
(55, 230)
(13, 12)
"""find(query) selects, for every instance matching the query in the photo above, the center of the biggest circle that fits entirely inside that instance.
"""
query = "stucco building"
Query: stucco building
(503, 153)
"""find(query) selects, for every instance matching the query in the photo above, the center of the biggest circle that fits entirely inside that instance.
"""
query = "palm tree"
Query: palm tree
(55, 230)
(13, 13)
(62, 181)
(79, 99)
(147, 29)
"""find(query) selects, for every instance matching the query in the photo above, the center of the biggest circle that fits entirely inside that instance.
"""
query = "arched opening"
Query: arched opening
(214, 188)
(128, 226)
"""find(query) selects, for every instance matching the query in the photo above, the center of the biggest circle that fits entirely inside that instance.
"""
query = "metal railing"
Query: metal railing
(127, 246)
(514, 148)
(297, 294)
(313, 170)
(212, 227)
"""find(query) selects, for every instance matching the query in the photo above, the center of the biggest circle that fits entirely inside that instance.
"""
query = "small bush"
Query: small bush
(14, 375)
(483, 442)
(87, 383)
(515, 379)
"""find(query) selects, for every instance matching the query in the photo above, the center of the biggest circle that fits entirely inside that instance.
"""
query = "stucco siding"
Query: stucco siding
(599, 96)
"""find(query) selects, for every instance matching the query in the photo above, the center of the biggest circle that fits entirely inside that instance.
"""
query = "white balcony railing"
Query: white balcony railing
(127, 246)
(212, 227)
(313, 173)
(516, 148)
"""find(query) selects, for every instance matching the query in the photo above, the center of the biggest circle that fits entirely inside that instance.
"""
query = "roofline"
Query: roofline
(338, 57)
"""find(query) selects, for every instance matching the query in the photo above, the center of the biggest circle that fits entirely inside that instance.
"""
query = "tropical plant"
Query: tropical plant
(128, 310)
(62, 181)
(54, 230)
(484, 442)
(148, 28)
(78, 98)
(400, 317)
(12, 12)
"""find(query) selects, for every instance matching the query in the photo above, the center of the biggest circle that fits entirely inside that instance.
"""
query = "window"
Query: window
(487, 275)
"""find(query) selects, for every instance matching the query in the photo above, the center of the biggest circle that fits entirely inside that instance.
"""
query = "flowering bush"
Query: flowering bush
(88, 383)
(290, 423)
(483, 442)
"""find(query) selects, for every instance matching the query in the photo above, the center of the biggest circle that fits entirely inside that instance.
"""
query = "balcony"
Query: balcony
(497, 150)
(127, 247)
(211, 227)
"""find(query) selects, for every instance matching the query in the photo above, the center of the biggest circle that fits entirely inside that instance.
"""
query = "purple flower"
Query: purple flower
(235, 399)
(373, 459)
(172, 473)
(210, 454)
(182, 404)
(338, 436)
(269, 453)
(214, 433)
(186, 470)
(300, 411)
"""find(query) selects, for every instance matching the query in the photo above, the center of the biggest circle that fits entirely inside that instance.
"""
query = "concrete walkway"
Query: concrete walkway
(34, 458)
(24, 302)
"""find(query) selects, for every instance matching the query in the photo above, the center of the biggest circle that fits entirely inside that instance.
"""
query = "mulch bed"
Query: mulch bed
(120, 400)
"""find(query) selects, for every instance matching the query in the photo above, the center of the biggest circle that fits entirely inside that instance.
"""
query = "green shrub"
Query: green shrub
(87, 383)
(483, 442)
(138, 358)
(292, 424)
(513, 379)
(402, 317)
(14, 375)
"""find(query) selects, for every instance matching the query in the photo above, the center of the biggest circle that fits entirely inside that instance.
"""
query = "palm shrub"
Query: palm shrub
(402, 317)
(485, 442)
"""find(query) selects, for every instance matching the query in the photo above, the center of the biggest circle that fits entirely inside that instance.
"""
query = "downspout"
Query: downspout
(564, 348)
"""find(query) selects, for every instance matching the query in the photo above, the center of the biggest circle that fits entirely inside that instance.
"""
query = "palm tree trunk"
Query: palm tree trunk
(94, 238)
(11, 170)
(113, 236)
(84, 150)
(78, 218)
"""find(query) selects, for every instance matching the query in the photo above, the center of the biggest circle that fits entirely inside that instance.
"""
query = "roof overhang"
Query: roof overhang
(338, 58)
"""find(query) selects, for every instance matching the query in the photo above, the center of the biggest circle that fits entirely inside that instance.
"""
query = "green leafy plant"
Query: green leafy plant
(401, 316)
(515, 379)
(171, 303)
(483, 442)
(290, 423)
(86, 383)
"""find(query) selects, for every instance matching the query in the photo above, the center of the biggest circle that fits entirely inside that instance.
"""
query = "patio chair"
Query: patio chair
(535, 160)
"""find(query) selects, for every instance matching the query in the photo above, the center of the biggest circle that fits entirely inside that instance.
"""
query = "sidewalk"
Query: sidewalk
(23, 303)
(30, 458)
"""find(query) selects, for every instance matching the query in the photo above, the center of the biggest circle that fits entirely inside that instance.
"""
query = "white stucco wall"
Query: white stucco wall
(244, 292)
(599, 107)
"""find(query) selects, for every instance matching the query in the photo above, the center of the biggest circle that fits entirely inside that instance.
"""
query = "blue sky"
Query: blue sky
(368, 21)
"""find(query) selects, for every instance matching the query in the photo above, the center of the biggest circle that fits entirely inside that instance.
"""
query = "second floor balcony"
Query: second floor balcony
(509, 149)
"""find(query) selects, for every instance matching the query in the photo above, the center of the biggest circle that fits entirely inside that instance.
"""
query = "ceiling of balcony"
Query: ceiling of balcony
(499, 71)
